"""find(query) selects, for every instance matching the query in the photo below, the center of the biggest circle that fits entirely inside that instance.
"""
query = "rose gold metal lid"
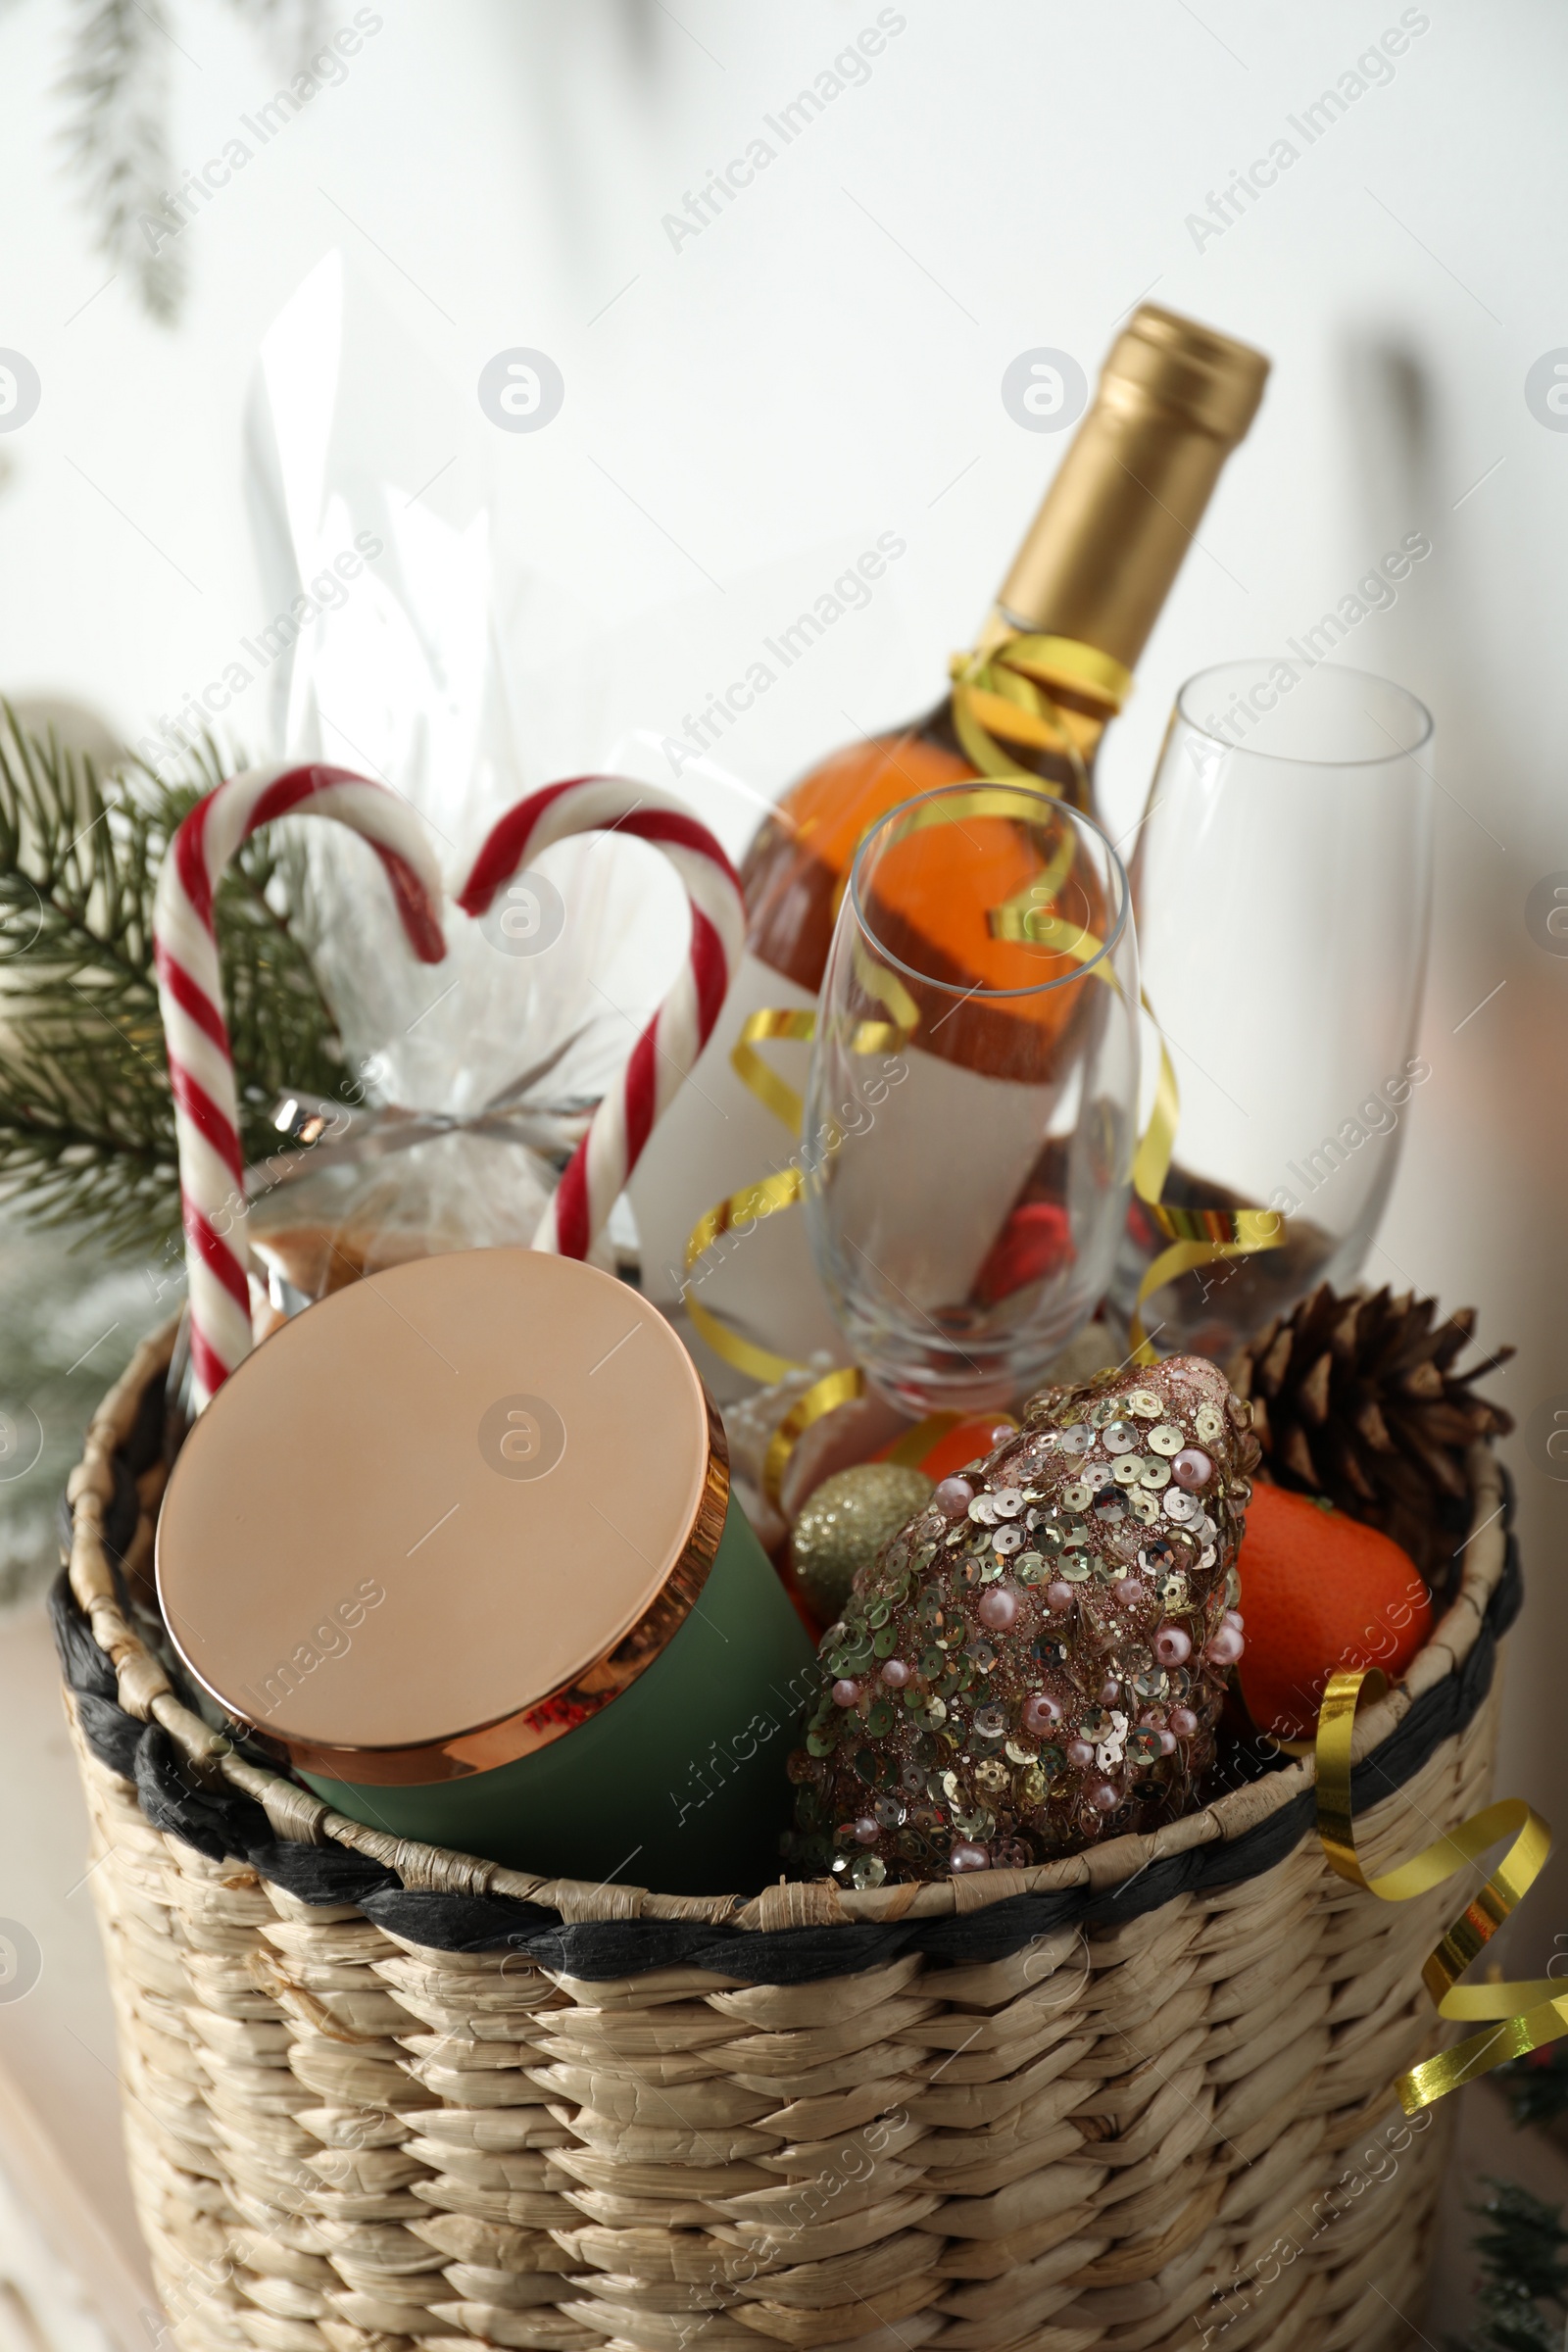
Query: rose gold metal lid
(442, 1516)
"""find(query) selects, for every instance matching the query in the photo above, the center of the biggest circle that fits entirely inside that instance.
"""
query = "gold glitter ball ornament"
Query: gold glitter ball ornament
(845, 1524)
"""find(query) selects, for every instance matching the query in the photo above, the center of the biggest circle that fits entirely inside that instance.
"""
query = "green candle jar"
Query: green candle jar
(457, 1544)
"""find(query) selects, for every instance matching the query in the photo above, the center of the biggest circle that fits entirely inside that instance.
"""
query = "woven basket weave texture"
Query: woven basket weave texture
(1177, 2131)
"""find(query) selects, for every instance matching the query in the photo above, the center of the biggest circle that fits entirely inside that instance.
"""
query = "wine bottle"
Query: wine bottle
(1076, 608)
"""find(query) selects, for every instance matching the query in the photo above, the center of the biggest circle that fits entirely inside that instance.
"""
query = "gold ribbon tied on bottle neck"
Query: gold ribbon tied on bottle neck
(1002, 692)
(1520, 2017)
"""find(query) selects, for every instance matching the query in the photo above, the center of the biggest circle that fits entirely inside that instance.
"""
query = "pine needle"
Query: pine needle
(117, 136)
(117, 85)
(1537, 2086)
(86, 1120)
(1523, 2254)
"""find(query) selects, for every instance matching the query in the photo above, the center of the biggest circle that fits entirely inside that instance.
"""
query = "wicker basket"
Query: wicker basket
(378, 2093)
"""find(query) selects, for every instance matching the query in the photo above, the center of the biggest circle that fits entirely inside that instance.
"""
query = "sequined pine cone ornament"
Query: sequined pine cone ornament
(1038, 1659)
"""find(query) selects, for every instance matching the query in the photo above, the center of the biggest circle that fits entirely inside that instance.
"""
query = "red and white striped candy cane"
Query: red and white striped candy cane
(201, 1070)
(668, 1047)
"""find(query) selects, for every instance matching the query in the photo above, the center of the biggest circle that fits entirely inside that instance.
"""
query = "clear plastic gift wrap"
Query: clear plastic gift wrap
(468, 1082)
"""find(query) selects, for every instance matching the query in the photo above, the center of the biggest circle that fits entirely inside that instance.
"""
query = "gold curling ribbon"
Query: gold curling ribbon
(833, 1388)
(1006, 684)
(884, 988)
(780, 1191)
(1001, 689)
(912, 1448)
(787, 1107)
(1197, 1236)
(765, 1084)
(1524, 2016)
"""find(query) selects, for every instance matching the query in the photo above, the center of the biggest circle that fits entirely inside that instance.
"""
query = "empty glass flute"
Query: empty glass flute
(973, 1093)
(1283, 883)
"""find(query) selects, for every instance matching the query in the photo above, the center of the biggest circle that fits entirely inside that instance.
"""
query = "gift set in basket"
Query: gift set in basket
(539, 1917)
(379, 2090)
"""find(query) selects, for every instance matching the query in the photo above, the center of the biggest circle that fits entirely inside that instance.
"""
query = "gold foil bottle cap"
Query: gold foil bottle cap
(441, 1517)
(1211, 383)
(1173, 400)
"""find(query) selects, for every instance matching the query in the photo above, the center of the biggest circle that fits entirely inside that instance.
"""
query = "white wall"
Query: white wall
(822, 364)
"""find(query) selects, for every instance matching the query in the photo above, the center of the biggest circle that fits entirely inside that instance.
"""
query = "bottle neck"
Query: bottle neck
(1126, 501)
(1023, 692)
(1074, 781)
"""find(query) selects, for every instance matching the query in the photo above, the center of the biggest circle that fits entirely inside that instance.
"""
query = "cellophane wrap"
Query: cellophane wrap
(388, 657)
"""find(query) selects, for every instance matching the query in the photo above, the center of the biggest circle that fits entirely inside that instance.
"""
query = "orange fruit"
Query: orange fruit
(964, 1442)
(1320, 1593)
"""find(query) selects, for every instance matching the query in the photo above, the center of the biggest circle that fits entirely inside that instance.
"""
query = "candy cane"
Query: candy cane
(668, 1048)
(200, 1070)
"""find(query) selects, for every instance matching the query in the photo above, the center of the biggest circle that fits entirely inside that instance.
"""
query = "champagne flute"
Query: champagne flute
(1283, 886)
(972, 1106)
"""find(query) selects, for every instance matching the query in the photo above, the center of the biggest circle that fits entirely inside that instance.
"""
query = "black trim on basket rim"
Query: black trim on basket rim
(222, 1823)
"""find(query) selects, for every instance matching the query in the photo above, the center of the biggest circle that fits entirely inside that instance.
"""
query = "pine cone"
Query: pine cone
(1354, 1398)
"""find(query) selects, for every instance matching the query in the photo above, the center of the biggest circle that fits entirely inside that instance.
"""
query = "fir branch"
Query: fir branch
(293, 27)
(116, 132)
(1537, 2086)
(1523, 2256)
(86, 1120)
(116, 137)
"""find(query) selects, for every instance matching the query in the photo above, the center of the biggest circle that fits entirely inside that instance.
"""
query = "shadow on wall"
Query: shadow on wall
(1503, 1099)
(78, 728)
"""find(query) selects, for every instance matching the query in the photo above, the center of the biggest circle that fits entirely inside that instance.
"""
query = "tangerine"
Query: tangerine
(1321, 1592)
(950, 1447)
